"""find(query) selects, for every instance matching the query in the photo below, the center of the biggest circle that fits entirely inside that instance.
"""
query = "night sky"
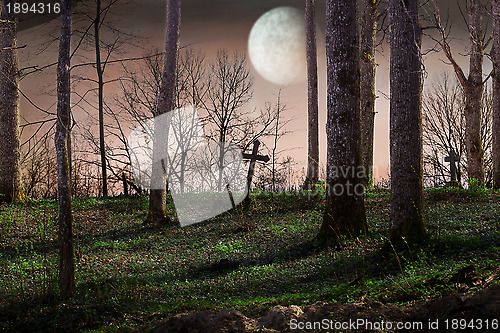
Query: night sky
(226, 24)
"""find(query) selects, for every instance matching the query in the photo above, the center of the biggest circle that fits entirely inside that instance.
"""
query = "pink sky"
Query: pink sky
(229, 29)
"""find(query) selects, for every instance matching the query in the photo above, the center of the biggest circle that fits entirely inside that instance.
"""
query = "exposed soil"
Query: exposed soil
(483, 305)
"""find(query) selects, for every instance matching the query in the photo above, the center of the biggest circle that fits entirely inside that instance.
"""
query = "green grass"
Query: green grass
(129, 275)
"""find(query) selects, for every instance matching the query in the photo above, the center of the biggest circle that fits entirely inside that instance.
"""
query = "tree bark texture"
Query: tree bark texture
(10, 153)
(368, 24)
(496, 94)
(102, 146)
(473, 88)
(474, 91)
(312, 95)
(157, 198)
(66, 258)
(344, 215)
(407, 215)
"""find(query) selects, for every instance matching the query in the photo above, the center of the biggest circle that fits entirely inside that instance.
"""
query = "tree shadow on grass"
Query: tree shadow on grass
(354, 269)
(106, 299)
(49, 246)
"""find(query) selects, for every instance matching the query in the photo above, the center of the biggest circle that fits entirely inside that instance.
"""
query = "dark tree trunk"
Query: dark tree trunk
(345, 212)
(473, 89)
(102, 147)
(125, 185)
(407, 220)
(66, 259)
(312, 96)
(496, 94)
(368, 23)
(10, 153)
(70, 154)
(157, 198)
(474, 92)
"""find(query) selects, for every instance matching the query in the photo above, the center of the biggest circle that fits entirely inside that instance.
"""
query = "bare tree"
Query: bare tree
(157, 197)
(312, 96)
(407, 214)
(66, 259)
(192, 85)
(229, 91)
(473, 86)
(10, 175)
(220, 91)
(140, 87)
(107, 41)
(39, 169)
(279, 132)
(272, 175)
(445, 131)
(284, 177)
(99, 66)
(344, 215)
(86, 180)
(368, 21)
(496, 95)
(101, 12)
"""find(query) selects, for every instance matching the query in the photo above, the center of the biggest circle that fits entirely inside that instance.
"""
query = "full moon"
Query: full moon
(277, 46)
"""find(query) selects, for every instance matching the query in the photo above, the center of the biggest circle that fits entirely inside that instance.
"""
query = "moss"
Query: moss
(476, 184)
(344, 218)
(15, 196)
(411, 232)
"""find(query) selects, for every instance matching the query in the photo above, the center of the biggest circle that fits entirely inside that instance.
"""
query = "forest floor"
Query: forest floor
(261, 264)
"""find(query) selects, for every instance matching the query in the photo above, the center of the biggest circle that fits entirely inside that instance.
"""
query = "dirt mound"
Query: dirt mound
(206, 321)
(482, 305)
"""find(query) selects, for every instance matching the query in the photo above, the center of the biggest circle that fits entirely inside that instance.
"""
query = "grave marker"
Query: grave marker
(452, 158)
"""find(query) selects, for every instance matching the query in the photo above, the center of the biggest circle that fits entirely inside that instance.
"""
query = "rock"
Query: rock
(279, 317)
(224, 321)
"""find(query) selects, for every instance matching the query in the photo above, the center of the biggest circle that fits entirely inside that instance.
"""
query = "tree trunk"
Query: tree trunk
(312, 96)
(345, 212)
(10, 175)
(368, 23)
(70, 154)
(157, 197)
(407, 220)
(125, 184)
(474, 92)
(66, 259)
(496, 94)
(102, 147)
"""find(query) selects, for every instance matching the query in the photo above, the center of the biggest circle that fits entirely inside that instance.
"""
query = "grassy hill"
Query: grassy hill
(130, 275)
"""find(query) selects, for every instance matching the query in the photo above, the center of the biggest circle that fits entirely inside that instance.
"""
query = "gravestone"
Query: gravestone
(452, 158)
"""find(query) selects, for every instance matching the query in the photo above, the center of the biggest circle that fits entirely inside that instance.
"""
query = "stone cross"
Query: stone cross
(253, 157)
(452, 158)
